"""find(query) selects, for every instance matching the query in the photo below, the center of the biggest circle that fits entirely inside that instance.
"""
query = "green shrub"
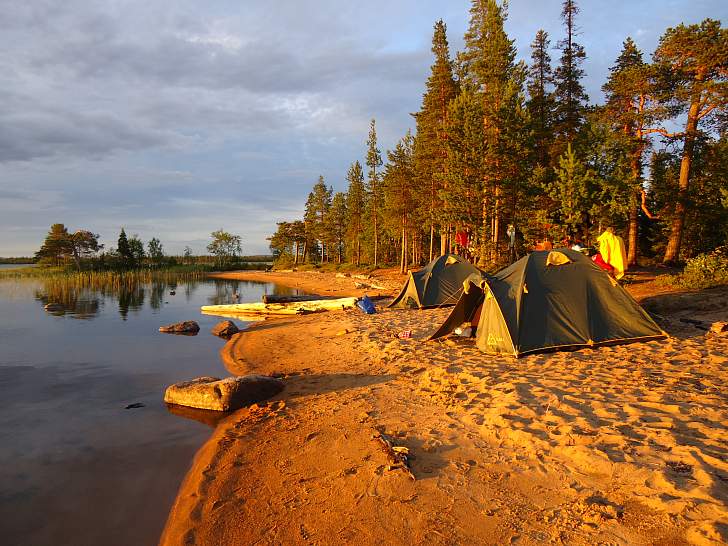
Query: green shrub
(703, 271)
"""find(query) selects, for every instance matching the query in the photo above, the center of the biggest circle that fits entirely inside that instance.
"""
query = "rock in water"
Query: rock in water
(223, 394)
(225, 328)
(186, 327)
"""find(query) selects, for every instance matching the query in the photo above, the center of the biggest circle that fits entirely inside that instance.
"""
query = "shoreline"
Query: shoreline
(322, 283)
(621, 444)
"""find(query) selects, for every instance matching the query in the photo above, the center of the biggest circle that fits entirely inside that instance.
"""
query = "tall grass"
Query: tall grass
(177, 273)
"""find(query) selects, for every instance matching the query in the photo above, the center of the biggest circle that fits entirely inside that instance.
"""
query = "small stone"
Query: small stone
(186, 327)
(228, 394)
(225, 329)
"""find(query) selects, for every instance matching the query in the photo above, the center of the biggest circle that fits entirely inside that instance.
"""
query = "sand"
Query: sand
(614, 445)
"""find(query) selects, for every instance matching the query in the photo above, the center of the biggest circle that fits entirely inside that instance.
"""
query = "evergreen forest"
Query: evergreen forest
(502, 145)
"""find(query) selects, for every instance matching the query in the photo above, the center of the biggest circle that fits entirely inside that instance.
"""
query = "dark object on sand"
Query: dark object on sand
(701, 325)
(275, 298)
(366, 305)
(225, 328)
(135, 405)
(229, 394)
(398, 456)
(186, 327)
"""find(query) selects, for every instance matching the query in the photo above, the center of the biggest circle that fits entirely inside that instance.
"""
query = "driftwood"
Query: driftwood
(274, 298)
(398, 456)
(295, 308)
(243, 317)
(367, 285)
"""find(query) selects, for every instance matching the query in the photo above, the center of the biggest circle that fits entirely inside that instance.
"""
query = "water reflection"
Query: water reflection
(208, 417)
(61, 296)
(66, 439)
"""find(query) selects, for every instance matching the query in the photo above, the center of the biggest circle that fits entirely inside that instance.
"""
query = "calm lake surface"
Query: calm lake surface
(76, 467)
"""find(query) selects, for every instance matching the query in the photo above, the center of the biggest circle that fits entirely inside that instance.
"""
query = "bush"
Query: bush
(703, 271)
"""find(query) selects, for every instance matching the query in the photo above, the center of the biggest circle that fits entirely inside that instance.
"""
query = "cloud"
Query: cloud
(159, 114)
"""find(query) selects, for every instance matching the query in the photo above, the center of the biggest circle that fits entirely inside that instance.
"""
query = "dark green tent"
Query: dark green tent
(549, 300)
(437, 284)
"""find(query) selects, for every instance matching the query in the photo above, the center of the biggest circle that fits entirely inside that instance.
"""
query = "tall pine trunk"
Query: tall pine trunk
(672, 252)
(633, 235)
(432, 240)
(483, 258)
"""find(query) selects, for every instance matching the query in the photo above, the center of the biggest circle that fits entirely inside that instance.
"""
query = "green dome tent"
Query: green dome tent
(547, 301)
(437, 284)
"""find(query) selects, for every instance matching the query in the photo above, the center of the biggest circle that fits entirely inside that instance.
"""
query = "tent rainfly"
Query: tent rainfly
(549, 300)
(437, 284)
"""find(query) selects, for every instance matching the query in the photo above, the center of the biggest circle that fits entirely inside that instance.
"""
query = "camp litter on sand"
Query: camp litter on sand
(549, 300)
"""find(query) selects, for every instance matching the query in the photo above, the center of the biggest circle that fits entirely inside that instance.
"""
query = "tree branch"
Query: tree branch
(644, 206)
(707, 111)
(662, 132)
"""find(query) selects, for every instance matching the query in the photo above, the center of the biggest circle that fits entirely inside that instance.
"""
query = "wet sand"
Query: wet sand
(615, 445)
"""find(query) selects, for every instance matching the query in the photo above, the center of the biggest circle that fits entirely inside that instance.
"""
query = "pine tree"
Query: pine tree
(336, 222)
(400, 201)
(487, 65)
(124, 250)
(136, 248)
(694, 59)
(375, 194)
(541, 101)
(631, 111)
(298, 236)
(317, 207)
(571, 190)
(461, 196)
(56, 245)
(356, 206)
(570, 95)
(430, 151)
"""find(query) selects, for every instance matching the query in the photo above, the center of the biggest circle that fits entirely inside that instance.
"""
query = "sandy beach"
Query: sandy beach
(615, 445)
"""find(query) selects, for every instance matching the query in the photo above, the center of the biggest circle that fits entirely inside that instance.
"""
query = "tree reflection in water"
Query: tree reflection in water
(83, 300)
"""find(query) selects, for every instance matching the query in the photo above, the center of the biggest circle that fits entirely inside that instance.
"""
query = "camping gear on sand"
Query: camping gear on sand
(366, 305)
(437, 284)
(549, 300)
(611, 247)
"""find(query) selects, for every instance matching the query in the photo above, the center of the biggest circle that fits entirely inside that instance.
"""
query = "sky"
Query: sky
(175, 118)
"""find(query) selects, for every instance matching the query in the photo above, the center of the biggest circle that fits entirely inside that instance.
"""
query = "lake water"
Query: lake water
(15, 266)
(76, 467)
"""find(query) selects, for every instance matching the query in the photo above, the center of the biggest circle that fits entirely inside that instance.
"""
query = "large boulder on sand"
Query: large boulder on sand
(186, 327)
(228, 394)
(225, 328)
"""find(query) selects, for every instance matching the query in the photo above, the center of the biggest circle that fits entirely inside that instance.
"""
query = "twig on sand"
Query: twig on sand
(397, 455)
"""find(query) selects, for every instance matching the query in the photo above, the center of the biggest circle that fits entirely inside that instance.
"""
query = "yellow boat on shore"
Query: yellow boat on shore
(293, 308)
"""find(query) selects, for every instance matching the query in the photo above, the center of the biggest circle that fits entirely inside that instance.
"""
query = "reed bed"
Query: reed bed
(105, 279)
